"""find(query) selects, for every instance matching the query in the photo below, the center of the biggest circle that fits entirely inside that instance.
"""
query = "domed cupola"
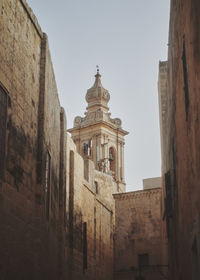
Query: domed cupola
(97, 96)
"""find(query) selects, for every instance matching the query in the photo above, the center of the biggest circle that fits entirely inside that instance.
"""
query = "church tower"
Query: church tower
(98, 136)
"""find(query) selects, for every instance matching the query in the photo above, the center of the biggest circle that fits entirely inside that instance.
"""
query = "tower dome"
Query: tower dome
(97, 111)
(97, 96)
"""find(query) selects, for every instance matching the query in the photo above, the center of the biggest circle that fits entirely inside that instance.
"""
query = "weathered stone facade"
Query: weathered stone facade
(138, 236)
(31, 209)
(180, 142)
(87, 206)
(57, 211)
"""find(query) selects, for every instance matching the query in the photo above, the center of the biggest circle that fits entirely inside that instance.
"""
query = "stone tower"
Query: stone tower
(98, 136)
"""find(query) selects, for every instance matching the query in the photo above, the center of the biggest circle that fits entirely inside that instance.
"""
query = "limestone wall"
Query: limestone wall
(163, 98)
(54, 222)
(137, 232)
(152, 183)
(87, 206)
(182, 163)
(34, 125)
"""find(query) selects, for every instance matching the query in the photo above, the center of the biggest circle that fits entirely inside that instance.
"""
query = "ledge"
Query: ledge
(106, 124)
(32, 17)
(136, 194)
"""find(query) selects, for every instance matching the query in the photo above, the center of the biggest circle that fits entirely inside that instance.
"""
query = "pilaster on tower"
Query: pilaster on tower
(100, 137)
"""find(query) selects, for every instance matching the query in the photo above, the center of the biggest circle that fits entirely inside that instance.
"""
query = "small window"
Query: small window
(3, 120)
(96, 187)
(87, 148)
(112, 160)
(143, 260)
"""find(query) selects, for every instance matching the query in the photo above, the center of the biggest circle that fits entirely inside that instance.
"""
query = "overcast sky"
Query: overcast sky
(126, 38)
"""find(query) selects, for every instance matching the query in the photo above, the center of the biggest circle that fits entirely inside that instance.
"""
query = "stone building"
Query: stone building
(95, 172)
(180, 134)
(90, 211)
(138, 235)
(58, 215)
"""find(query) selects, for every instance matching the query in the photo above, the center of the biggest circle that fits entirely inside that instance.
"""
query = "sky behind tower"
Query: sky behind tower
(126, 38)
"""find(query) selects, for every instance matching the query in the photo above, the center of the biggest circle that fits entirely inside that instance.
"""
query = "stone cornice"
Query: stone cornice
(119, 130)
(137, 194)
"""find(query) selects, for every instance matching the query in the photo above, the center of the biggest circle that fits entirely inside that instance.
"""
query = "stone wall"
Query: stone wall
(90, 258)
(182, 162)
(137, 235)
(163, 109)
(56, 211)
(152, 183)
(33, 125)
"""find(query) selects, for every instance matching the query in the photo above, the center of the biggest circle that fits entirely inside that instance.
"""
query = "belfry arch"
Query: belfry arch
(112, 160)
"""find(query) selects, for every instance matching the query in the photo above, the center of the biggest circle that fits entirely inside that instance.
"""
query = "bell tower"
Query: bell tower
(100, 137)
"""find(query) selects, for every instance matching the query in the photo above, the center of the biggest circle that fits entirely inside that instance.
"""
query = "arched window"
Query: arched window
(112, 160)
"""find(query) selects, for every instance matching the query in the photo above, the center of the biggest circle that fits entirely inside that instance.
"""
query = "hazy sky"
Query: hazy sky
(126, 38)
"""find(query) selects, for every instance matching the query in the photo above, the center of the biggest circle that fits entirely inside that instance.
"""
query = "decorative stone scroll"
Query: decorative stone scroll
(116, 121)
(78, 120)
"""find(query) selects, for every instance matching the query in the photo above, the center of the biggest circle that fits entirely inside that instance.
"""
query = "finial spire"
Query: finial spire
(97, 69)
(98, 75)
